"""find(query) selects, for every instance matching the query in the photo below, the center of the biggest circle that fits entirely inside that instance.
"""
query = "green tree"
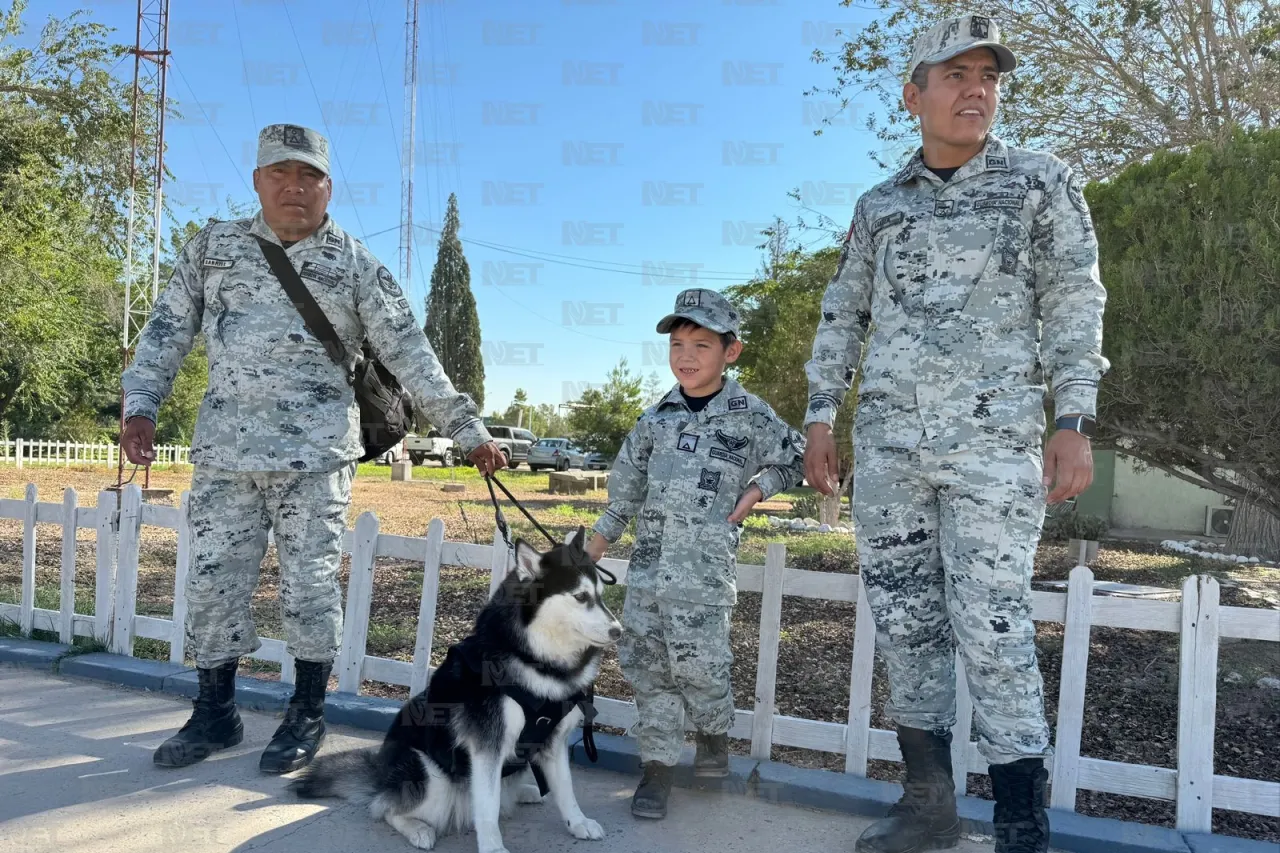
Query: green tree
(1102, 84)
(779, 317)
(1190, 253)
(518, 411)
(453, 326)
(548, 422)
(603, 417)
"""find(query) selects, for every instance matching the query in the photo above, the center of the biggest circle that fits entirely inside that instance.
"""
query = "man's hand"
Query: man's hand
(821, 464)
(487, 458)
(596, 547)
(1069, 460)
(138, 440)
(750, 498)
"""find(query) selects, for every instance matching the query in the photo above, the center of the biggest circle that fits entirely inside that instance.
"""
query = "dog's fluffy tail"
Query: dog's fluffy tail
(352, 775)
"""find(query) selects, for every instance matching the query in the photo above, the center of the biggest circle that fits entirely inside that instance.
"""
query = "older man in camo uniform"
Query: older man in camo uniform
(967, 279)
(278, 433)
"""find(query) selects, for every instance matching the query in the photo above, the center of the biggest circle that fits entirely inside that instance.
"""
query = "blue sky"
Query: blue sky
(605, 153)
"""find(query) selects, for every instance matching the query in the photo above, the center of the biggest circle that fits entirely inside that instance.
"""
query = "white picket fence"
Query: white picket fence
(1197, 619)
(26, 451)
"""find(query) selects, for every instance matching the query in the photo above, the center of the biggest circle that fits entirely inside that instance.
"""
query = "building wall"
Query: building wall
(1158, 500)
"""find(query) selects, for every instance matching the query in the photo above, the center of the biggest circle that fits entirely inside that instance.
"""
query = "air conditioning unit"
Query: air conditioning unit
(1217, 520)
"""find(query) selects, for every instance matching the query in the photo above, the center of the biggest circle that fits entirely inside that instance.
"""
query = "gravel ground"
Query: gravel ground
(1131, 696)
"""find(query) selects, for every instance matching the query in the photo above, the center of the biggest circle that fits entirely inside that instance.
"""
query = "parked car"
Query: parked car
(597, 462)
(394, 454)
(557, 453)
(514, 442)
(432, 446)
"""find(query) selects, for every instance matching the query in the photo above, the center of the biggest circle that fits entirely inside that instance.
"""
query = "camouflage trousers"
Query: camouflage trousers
(677, 658)
(946, 544)
(230, 513)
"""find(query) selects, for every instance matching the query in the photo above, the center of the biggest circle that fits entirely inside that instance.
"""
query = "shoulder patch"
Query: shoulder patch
(886, 221)
(332, 239)
(1076, 195)
(216, 264)
(737, 404)
(388, 282)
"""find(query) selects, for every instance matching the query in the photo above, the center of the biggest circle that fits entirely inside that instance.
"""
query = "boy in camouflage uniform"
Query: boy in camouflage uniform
(969, 278)
(689, 473)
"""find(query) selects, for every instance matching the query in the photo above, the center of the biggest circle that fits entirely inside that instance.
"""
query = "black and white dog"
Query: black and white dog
(493, 724)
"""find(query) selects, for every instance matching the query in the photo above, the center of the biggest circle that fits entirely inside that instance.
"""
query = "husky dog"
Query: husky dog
(495, 717)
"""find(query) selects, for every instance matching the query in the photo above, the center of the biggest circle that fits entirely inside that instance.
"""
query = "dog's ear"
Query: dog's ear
(580, 539)
(528, 561)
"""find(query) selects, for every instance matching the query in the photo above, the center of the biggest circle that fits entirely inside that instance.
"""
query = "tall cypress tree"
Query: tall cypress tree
(453, 326)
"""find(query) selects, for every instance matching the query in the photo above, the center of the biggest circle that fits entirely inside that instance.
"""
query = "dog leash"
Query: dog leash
(588, 705)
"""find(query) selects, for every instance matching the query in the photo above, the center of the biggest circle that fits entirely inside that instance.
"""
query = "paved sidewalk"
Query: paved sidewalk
(76, 775)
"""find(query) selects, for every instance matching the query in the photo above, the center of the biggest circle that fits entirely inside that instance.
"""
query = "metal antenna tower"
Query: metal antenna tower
(410, 116)
(146, 180)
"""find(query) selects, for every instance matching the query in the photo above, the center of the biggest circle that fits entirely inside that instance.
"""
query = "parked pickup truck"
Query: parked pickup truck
(432, 446)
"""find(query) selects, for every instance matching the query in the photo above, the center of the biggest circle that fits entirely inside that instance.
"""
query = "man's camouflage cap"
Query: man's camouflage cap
(280, 142)
(705, 307)
(957, 35)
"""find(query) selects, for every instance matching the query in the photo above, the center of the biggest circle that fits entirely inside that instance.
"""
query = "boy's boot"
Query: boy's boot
(214, 723)
(1021, 822)
(925, 817)
(650, 799)
(302, 731)
(712, 758)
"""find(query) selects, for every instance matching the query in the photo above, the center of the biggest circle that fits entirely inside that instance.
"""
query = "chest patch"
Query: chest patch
(688, 443)
(737, 404)
(216, 264)
(320, 273)
(943, 208)
(998, 202)
(886, 221)
(721, 453)
(709, 480)
(732, 442)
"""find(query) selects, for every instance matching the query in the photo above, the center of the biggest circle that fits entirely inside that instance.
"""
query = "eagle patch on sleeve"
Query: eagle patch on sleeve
(388, 282)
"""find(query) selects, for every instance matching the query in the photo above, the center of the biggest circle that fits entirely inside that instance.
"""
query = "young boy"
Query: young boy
(689, 473)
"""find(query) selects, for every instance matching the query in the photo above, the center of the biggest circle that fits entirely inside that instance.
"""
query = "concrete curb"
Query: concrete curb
(770, 780)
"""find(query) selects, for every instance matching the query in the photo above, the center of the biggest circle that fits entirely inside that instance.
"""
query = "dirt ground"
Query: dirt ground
(1131, 695)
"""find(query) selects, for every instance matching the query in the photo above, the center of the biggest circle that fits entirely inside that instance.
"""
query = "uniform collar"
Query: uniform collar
(259, 228)
(994, 157)
(720, 405)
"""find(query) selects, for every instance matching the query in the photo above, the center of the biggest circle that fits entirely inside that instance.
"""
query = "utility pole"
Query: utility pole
(410, 118)
(146, 179)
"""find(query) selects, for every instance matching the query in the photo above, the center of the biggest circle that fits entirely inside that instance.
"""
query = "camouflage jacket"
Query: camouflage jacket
(680, 474)
(275, 400)
(964, 294)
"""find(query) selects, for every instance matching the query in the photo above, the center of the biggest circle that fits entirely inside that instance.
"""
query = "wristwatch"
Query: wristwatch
(1082, 424)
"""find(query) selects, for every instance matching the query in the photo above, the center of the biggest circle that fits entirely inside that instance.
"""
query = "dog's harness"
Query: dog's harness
(588, 698)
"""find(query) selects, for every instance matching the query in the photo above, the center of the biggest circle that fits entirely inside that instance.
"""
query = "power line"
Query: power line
(234, 165)
(253, 113)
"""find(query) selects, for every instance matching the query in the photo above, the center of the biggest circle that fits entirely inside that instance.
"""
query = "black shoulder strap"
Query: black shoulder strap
(312, 314)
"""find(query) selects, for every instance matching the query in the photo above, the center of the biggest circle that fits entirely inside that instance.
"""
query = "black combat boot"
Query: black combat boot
(1021, 822)
(712, 758)
(650, 799)
(214, 723)
(302, 731)
(925, 817)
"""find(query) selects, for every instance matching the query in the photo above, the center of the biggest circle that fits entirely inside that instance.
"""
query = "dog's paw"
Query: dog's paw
(418, 832)
(528, 794)
(586, 828)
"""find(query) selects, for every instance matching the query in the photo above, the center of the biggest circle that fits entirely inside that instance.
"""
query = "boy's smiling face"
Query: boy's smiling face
(698, 359)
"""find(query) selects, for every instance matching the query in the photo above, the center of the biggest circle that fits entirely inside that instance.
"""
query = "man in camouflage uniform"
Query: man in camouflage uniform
(689, 472)
(966, 279)
(278, 432)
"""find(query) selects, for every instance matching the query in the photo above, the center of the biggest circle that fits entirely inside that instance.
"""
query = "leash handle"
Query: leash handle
(610, 577)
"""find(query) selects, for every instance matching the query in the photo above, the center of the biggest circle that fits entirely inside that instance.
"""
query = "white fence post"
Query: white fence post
(775, 565)
(500, 563)
(427, 607)
(178, 641)
(27, 615)
(857, 740)
(127, 570)
(105, 566)
(67, 600)
(963, 730)
(17, 452)
(1071, 685)
(355, 628)
(1197, 703)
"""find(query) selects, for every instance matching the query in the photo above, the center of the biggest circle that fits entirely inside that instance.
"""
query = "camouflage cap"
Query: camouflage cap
(705, 307)
(280, 142)
(956, 35)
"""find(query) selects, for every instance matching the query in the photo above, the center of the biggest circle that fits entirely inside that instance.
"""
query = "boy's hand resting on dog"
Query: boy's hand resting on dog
(750, 498)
